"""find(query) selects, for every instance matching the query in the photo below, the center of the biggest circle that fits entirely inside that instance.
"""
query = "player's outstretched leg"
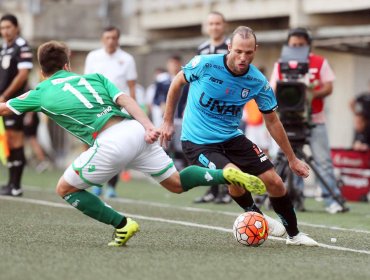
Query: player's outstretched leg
(122, 235)
(251, 183)
(194, 176)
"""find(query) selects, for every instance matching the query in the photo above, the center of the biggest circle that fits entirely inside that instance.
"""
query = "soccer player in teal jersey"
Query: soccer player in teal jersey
(220, 85)
(89, 107)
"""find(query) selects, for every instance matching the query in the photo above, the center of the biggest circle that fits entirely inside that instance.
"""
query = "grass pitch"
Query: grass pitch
(42, 237)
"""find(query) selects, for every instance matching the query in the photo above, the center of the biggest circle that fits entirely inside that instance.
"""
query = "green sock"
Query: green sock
(194, 176)
(93, 207)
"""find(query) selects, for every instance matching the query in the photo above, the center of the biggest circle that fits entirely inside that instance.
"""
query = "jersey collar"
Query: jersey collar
(231, 72)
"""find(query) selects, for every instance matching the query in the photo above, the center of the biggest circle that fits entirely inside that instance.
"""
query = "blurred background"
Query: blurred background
(154, 29)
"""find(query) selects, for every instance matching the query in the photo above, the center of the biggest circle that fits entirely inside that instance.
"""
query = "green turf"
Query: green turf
(57, 242)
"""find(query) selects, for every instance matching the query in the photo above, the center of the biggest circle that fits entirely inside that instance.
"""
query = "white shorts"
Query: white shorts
(119, 147)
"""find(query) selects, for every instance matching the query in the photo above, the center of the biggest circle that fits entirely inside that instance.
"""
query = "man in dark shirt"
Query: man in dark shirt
(15, 65)
(361, 109)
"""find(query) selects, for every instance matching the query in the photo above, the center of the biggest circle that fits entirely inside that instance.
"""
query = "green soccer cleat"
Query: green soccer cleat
(122, 235)
(251, 183)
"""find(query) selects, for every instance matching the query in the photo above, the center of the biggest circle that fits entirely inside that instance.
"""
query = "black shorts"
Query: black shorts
(239, 151)
(30, 129)
(14, 122)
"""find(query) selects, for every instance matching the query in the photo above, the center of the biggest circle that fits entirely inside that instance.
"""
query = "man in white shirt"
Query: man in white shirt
(120, 68)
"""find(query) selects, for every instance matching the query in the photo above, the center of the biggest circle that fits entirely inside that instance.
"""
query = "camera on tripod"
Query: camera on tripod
(293, 107)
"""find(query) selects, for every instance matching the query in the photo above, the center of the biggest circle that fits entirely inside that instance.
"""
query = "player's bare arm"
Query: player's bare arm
(277, 132)
(131, 86)
(4, 110)
(16, 84)
(130, 105)
(173, 97)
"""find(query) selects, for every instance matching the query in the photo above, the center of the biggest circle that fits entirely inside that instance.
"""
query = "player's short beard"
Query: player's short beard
(236, 70)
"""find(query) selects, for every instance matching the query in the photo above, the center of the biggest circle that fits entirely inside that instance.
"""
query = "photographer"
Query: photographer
(360, 106)
(320, 85)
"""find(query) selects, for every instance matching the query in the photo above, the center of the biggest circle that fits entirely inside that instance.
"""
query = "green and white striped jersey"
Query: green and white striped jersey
(81, 104)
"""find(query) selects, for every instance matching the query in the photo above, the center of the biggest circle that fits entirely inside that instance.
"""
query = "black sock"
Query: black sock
(284, 208)
(122, 223)
(113, 182)
(246, 202)
(16, 163)
(214, 190)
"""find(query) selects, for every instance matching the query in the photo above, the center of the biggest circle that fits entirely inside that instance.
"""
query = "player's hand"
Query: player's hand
(167, 130)
(151, 135)
(299, 167)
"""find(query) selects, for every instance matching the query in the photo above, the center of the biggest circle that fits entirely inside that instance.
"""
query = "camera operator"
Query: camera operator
(360, 106)
(320, 85)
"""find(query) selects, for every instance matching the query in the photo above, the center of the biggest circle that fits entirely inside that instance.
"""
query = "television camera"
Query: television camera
(293, 106)
(294, 111)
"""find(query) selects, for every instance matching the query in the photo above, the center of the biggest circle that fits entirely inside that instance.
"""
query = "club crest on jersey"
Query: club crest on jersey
(5, 63)
(245, 92)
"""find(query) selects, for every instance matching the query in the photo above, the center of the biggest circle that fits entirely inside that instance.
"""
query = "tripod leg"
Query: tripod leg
(310, 161)
(294, 193)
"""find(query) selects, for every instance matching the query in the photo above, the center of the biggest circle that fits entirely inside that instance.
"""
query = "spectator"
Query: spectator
(361, 108)
(150, 91)
(163, 81)
(120, 68)
(320, 86)
(16, 63)
(31, 123)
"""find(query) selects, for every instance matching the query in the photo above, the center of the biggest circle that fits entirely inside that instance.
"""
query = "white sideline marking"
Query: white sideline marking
(227, 213)
(67, 206)
(234, 214)
(194, 209)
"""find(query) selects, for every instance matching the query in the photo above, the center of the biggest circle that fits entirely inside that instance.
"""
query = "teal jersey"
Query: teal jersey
(217, 96)
(81, 104)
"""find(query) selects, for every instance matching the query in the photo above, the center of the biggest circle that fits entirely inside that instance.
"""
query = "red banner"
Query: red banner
(354, 170)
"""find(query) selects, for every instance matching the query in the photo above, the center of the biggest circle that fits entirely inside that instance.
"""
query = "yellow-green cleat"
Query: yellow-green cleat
(251, 183)
(122, 235)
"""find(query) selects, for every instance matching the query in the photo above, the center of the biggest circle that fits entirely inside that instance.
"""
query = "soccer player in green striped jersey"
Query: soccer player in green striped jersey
(89, 107)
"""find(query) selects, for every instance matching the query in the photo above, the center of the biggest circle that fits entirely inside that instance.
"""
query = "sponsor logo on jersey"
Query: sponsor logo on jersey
(219, 67)
(250, 78)
(245, 92)
(217, 81)
(104, 112)
(219, 106)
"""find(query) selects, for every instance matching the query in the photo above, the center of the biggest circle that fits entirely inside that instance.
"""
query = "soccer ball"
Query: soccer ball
(250, 229)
